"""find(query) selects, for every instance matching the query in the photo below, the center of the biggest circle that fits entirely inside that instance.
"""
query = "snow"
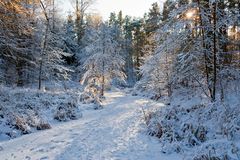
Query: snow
(193, 126)
(115, 132)
(23, 111)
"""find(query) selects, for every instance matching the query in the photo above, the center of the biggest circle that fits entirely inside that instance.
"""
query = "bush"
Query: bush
(207, 157)
(24, 111)
(21, 124)
(67, 111)
(86, 98)
(154, 127)
(197, 128)
(43, 126)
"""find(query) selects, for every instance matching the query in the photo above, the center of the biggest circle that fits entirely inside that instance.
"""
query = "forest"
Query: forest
(162, 86)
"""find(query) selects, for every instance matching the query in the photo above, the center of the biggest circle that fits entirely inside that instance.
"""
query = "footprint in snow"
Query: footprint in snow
(53, 147)
(56, 141)
(41, 150)
(75, 134)
(44, 158)
(27, 158)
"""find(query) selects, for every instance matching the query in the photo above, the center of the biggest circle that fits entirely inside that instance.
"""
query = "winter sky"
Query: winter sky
(135, 8)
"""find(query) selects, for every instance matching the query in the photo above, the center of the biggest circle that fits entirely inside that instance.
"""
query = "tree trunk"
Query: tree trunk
(19, 68)
(226, 58)
(103, 79)
(103, 86)
(40, 76)
(205, 47)
(53, 15)
(214, 53)
(44, 45)
(42, 55)
(103, 68)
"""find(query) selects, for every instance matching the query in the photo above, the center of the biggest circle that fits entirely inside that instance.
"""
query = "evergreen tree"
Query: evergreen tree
(153, 19)
(139, 41)
(128, 50)
(112, 19)
(69, 40)
(152, 24)
(168, 6)
(81, 7)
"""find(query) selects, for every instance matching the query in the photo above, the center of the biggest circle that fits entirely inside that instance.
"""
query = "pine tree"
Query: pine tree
(128, 50)
(153, 19)
(69, 40)
(139, 41)
(152, 24)
(81, 7)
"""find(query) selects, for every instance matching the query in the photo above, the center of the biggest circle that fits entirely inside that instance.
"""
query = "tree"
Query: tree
(50, 58)
(153, 19)
(69, 40)
(128, 51)
(80, 10)
(168, 7)
(139, 41)
(93, 23)
(104, 62)
(193, 39)
(152, 24)
(17, 29)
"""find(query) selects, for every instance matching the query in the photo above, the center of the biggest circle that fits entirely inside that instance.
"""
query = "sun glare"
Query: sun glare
(190, 14)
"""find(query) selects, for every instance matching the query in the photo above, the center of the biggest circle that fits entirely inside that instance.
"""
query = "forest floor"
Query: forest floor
(115, 132)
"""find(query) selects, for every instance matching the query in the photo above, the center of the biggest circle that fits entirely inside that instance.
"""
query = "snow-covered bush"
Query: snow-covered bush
(91, 94)
(154, 128)
(67, 111)
(195, 127)
(24, 111)
(43, 125)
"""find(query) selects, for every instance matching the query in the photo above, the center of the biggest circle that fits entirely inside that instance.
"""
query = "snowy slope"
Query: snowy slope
(115, 132)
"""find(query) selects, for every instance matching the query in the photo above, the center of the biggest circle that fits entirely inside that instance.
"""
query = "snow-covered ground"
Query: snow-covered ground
(26, 110)
(115, 132)
(193, 126)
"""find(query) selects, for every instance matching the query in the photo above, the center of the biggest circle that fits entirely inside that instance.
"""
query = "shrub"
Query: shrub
(21, 124)
(67, 111)
(43, 126)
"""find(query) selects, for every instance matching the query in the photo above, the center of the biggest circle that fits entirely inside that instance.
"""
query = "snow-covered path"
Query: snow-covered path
(110, 133)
